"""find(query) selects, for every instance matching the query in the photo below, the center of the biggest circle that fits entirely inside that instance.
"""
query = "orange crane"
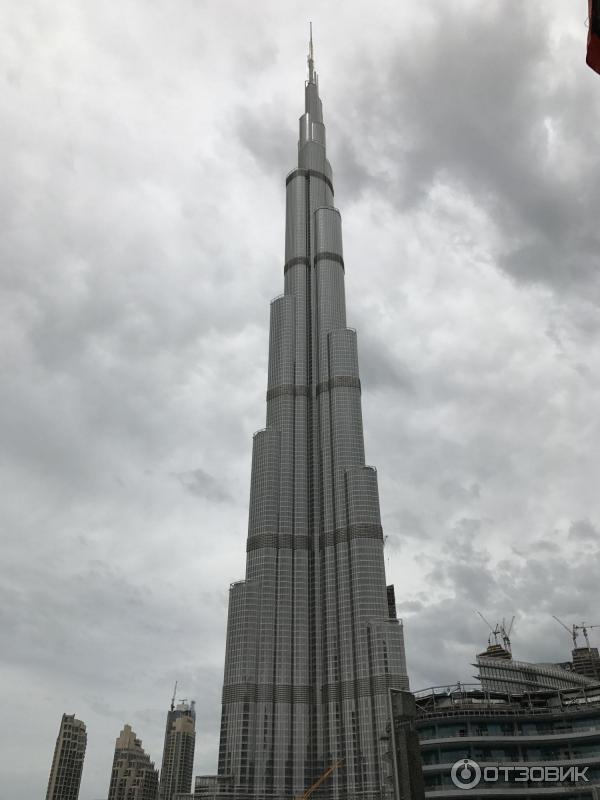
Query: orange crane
(329, 771)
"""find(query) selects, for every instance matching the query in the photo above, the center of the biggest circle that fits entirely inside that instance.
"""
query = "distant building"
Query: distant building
(67, 764)
(178, 752)
(133, 776)
(498, 672)
(586, 661)
(497, 730)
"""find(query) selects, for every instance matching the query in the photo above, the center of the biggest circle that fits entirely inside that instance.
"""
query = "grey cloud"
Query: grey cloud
(453, 490)
(584, 530)
(142, 240)
(488, 107)
(203, 484)
(267, 136)
(403, 523)
(381, 369)
(498, 590)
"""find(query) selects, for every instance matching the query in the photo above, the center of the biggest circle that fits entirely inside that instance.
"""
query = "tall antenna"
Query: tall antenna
(173, 700)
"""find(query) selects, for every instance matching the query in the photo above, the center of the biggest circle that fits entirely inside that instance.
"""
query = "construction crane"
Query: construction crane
(495, 631)
(500, 630)
(329, 771)
(574, 631)
(506, 633)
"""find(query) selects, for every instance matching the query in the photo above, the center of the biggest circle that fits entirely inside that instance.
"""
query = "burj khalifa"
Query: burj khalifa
(313, 643)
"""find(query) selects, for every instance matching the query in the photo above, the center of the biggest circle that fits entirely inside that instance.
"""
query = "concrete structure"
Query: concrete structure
(498, 672)
(405, 752)
(67, 764)
(495, 729)
(586, 661)
(178, 752)
(312, 644)
(133, 774)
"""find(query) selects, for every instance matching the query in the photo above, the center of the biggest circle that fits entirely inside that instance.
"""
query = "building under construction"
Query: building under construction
(499, 672)
(178, 752)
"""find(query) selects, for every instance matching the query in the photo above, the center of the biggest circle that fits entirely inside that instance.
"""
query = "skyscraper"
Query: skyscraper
(133, 775)
(312, 645)
(178, 753)
(67, 764)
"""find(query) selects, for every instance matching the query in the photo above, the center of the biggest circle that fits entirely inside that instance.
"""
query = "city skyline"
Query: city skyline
(144, 158)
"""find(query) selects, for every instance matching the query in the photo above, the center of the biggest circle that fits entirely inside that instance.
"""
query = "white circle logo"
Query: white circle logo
(465, 773)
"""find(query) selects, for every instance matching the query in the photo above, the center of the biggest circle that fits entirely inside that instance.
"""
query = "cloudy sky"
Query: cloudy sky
(145, 145)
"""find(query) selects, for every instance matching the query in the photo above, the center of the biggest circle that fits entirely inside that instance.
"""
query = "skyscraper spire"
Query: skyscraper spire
(311, 62)
(312, 647)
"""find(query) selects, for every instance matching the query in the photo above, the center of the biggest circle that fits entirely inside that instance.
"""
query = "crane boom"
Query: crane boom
(572, 633)
(485, 620)
(330, 770)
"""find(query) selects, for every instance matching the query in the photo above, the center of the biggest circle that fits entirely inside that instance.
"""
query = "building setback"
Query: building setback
(67, 764)
(133, 775)
(312, 643)
(178, 753)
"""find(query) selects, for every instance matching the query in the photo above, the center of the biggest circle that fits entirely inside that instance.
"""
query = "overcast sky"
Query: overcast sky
(145, 145)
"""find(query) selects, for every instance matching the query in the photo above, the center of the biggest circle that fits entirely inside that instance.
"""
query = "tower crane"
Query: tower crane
(494, 631)
(506, 633)
(500, 630)
(321, 779)
(574, 631)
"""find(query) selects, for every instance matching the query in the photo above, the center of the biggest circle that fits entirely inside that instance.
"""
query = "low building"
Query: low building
(67, 764)
(505, 734)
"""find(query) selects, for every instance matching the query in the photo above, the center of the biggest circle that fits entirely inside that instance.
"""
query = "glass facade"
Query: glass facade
(312, 646)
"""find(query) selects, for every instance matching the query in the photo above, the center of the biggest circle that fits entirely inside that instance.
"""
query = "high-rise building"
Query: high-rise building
(312, 643)
(178, 753)
(67, 764)
(133, 775)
